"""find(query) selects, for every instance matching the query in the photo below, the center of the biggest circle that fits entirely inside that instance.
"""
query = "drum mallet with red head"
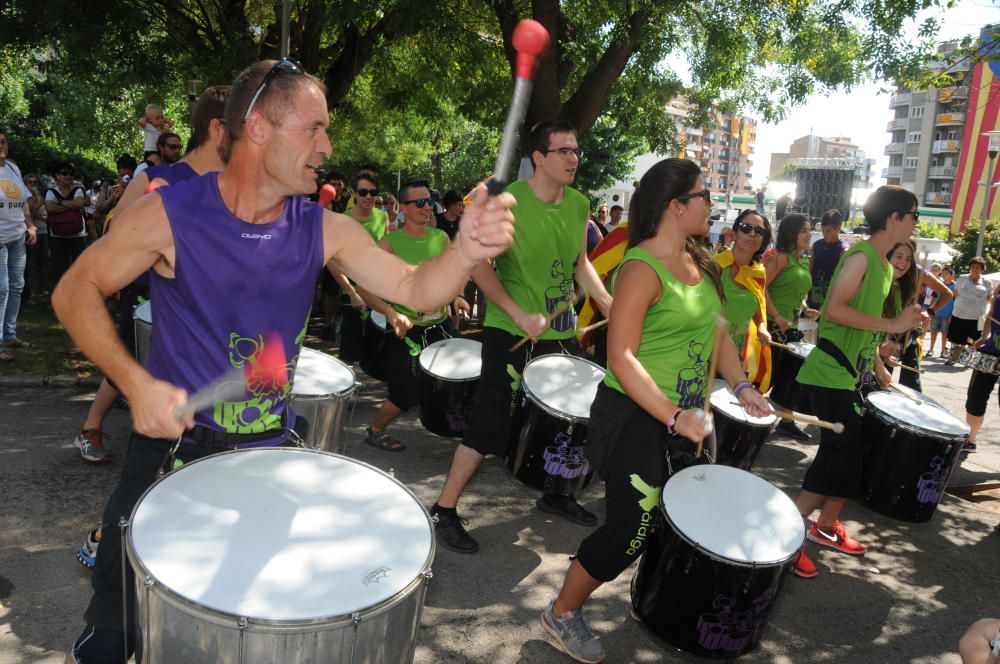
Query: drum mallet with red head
(326, 194)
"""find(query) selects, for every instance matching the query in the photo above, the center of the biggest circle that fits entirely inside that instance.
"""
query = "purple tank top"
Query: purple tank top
(171, 173)
(234, 283)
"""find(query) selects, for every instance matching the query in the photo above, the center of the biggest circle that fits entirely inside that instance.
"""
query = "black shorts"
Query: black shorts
(838, 467)
(963, 330)
(496, 399)
(980, 386)
(403, 363)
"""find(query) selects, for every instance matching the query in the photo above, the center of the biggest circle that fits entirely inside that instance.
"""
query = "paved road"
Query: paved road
(908, 600)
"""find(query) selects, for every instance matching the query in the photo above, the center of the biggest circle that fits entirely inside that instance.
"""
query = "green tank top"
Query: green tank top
(789, 288)
(677, 335)
(857, 345)
(537, 270)
(741, 305)
(415, 250)
(375, 225)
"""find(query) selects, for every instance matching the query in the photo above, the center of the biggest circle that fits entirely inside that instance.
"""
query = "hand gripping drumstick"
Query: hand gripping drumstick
(530, 40)
(779, 345)
(720, 328)
(558, 311)
(267, 368)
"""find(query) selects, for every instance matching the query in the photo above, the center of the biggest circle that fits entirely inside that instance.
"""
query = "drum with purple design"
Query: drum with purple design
(786, 391)
(718, 552)
(450, 371)
(912, 450)
(548, 449)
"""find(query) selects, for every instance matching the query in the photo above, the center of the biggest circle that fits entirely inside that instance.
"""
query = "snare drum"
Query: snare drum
(786, 391)
(323, 387)
(376, 331)
(279, 556)
(724, 543)
(450, 374)
(738, 435)
(142, 319)
(985, 363)
(959, 354)
(549, 451)
(912, 449)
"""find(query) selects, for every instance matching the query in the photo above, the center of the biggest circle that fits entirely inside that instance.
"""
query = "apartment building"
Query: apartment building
(723, 149)
(807, 151)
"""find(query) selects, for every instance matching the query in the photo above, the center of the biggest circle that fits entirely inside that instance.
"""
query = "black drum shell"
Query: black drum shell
(540, 434)
(373, 350)
(906, 469)
(446, 405)
(699, 603)
(786, 391)
(738, 443)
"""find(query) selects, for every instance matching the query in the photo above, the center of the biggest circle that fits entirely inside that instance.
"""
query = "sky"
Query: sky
(863, 113)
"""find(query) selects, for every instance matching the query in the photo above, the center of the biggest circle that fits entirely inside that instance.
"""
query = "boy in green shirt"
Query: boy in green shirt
(851, 324)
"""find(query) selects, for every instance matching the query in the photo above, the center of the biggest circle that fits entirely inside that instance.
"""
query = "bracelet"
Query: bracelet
(740, 386)
(673, 420)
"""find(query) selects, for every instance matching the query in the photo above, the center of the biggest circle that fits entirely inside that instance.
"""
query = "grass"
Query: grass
(52, 352)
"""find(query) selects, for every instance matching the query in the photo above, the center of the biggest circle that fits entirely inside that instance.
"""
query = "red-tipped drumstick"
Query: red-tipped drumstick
(326, 194)
(266, 370)
(531, 40)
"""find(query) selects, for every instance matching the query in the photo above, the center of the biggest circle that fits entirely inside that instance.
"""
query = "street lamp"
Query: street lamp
(988, 176)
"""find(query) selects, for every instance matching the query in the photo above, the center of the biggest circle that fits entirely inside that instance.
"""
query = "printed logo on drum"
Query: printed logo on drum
(932, 483)
(376, 575)
(732, 629)
(565, 459)
(650, 499)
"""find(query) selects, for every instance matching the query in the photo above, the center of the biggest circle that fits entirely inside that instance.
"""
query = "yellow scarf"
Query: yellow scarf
(756, 356)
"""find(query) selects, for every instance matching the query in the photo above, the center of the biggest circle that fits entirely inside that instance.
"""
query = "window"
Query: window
(911, 162)
(952, 135)
(917, 112)
(913, 137)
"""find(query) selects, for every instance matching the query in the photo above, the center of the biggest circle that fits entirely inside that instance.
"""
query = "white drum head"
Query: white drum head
(144, 312)
(801, 348)
(281, 534)
(926, 416)
(319, 374)
(379, 320)
(733, 514)
(725, 401)
(453, 359)
(563, 383)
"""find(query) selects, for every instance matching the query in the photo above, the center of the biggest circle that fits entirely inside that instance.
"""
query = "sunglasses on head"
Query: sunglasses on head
(285, 66)
(367, 192)
(747, 229)
(704, 193)
(421, 202)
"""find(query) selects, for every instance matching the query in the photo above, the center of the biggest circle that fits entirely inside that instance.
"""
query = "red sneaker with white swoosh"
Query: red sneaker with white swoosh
(837, 538)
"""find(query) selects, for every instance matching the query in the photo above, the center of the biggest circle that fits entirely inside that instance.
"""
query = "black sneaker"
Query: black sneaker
(450, 531)
(788, 428)
(566, 507)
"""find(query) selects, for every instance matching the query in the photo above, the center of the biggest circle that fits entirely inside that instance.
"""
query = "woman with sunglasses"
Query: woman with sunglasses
(67, 233)
(743, 278)
(668, 295)
(17, 230)
(788, 282)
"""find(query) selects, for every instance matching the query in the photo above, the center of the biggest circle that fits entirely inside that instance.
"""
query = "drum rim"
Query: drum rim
(796, 345)
(132, 557)
(342, 394)
(972, 364)
(535, 399)
(746, 416)
(148, 304)
(888, 418)
(443, 378)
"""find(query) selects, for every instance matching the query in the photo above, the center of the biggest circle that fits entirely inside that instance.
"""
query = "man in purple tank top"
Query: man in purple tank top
(233, 258)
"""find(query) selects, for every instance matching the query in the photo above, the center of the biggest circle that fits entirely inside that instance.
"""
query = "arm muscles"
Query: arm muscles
(846, 287)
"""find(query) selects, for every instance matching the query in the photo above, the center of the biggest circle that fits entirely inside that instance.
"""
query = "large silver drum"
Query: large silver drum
(142, 319)
(323, 388)
(279, 556)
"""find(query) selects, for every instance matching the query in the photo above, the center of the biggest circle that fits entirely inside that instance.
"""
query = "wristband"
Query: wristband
(740, 386)
(673, 420)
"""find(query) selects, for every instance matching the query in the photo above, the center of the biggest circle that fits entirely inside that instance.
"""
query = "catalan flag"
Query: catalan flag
(605, 257)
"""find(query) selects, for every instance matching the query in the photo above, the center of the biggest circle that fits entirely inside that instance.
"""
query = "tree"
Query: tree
(965, 247)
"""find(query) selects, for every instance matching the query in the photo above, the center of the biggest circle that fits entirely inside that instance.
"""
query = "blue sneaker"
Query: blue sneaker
(87, 554)
(572, 635)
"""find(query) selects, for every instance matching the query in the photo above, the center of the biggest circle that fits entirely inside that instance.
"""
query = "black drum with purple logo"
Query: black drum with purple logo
(786, 391)
(548, 448)
(739, 436)
(718, 552)
(450, 371)
(912, 450)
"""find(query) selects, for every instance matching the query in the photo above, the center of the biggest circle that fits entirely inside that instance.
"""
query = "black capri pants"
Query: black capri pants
(980, 386)
(403, 363)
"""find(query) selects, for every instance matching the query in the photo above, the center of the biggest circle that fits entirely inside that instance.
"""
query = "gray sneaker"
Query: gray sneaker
(572, 635)
(91, 445)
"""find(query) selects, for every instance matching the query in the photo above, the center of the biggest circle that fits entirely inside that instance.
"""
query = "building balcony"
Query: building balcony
(901, 99)
(948, 95)
(937, 198)
(895, 148)
(943, 172)
(892, 172)
(951, 65)
(942, 147)
(694, 131)
(950, 119)
(896, 125)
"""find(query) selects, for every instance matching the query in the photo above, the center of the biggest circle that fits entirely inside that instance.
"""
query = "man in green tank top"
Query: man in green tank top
(851, 321)
(415, 243)
(533, 278)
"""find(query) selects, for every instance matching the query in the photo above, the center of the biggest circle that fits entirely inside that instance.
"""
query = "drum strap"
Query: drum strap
(831, 349)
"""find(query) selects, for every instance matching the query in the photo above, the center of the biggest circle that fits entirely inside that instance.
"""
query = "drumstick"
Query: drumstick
(595, 326)
(720, 327)
(785, 414)
(780, 345)
(558, 311)
(898, 388)
(913, 369)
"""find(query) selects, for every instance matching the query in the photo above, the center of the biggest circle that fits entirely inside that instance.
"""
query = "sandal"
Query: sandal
(384, 441)
(18, 343)
(5, 356)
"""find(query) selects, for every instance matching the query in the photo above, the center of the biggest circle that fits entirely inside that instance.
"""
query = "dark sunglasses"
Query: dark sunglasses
(421, 202)
(172, 146)
(285, 66)
(362, 193)
(916, 215)
(747, 229)
(704, 193)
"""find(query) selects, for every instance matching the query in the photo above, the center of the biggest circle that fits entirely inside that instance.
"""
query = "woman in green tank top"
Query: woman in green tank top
(789, 278)
(741, 267)
(668, 298)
